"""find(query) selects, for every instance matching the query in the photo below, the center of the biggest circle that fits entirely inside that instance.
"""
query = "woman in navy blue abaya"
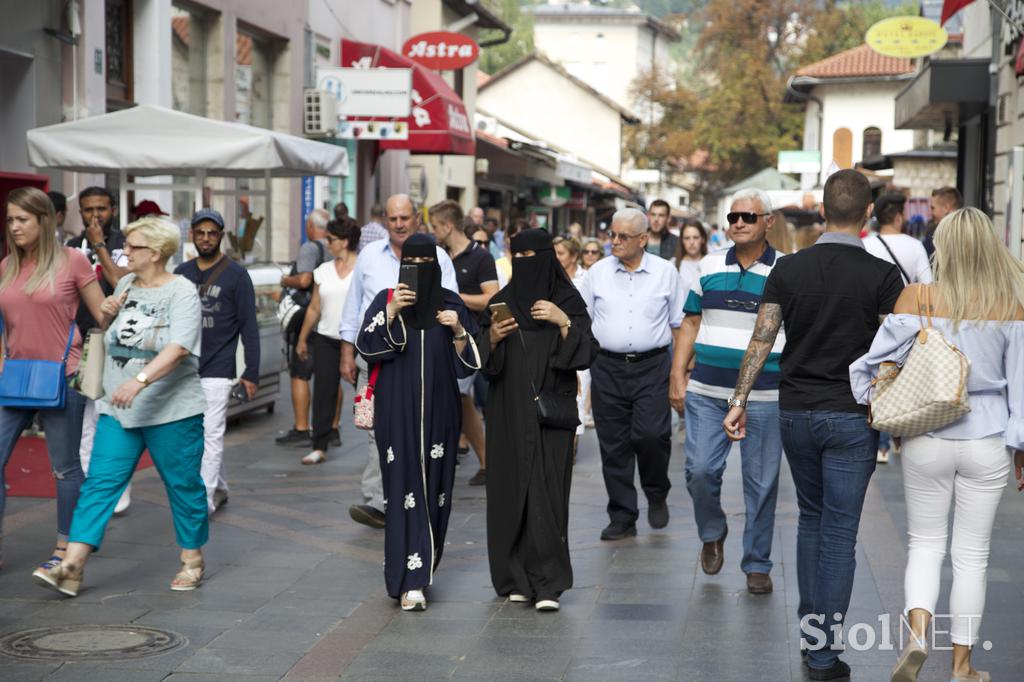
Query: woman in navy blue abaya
(422, 340)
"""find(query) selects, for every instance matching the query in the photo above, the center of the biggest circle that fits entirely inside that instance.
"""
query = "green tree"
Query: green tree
(520, 43)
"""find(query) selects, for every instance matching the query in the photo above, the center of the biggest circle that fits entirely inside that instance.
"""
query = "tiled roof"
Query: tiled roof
(481, 78)
(858, 62)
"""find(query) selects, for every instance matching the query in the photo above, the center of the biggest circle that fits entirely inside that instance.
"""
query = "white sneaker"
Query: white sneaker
(882, 457)
(517, 598)
(315, 457)
(125, 501)
(547, 605)
(413, 600)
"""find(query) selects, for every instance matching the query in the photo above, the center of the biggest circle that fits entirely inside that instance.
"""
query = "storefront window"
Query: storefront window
(253, 59)
(189, 31)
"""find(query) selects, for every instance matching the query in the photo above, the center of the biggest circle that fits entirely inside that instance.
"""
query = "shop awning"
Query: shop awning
(439, 123)
(944, 94)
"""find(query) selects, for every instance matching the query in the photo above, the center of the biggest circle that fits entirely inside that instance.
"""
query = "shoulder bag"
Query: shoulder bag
(34, 384)
(362, 404)
(555, 409)
(88, 380)
(906, 277)
(928, 392)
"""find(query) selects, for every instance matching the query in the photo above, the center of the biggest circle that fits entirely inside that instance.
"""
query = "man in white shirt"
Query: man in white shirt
(377, 269)
(890, 244)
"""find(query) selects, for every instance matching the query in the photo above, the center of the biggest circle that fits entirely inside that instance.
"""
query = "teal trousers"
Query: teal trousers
(177, 452)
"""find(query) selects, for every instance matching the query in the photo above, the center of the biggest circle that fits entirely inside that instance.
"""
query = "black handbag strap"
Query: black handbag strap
(522, 341)
(218, 270)
(906, 278)
(67, 348)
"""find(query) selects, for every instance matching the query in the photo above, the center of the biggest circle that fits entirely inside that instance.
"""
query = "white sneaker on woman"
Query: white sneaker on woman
(413, 600)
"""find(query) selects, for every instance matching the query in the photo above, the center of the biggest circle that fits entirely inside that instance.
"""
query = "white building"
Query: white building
(851, 108)
(603, 46)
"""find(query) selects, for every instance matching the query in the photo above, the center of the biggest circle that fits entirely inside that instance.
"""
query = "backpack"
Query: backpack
(295, 301)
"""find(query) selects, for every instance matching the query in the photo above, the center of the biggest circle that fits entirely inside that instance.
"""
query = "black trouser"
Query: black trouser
(634, 423)
(326, 384)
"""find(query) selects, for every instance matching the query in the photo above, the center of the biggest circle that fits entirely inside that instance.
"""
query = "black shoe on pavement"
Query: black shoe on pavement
(295, 437)
(838, 671)
(617, 530)
(657, 514)
(367, 515)
(334, 438)
(479, 478)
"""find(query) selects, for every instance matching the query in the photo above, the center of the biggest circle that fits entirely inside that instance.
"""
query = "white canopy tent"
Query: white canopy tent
(152, 140)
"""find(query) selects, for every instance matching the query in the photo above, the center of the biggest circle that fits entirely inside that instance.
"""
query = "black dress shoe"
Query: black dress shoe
(657, 514)
(838, 671)
(334, 438)
(367, 515)
(617, 530)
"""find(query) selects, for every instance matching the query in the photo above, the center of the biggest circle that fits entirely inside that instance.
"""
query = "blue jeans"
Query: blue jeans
(706, 449)
(63, 430)
(831, 456)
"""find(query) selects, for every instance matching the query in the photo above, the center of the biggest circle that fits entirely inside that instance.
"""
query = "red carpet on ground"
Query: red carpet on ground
(28, 471)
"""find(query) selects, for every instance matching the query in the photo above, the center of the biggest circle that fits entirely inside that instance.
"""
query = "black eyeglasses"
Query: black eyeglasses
(623, 237)
(482, 242)
(746, 216)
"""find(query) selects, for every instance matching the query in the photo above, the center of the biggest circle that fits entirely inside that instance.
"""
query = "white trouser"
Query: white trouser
(971, 473)
(217, 391)
(89, 419)
(372, 483)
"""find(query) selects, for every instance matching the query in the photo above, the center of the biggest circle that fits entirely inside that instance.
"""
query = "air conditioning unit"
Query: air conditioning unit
(319, 113)
(487, 124)
(483, 166)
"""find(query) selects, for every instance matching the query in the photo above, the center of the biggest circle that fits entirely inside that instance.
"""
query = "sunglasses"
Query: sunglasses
(591, 252)
(482, 242)
(623, 237)
(746, 216)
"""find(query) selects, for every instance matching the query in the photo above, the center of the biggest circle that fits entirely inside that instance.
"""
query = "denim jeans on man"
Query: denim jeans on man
(707, 448)
(831, 456)
(63, 430)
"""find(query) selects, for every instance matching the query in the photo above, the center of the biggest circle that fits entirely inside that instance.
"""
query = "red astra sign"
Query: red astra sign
(441, 50)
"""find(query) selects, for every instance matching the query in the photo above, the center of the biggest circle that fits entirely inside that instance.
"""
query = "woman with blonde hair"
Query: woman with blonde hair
(567, 251)
(41, 286)
(591, 252)
(153, 400)
(977, 302)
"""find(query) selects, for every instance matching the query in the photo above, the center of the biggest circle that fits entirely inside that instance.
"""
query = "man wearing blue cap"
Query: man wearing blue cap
(229, 311)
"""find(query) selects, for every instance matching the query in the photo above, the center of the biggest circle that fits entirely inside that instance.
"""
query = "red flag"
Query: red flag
(951, 7)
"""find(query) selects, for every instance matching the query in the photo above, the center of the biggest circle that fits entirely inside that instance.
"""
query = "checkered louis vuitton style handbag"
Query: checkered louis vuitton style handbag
(929, 391)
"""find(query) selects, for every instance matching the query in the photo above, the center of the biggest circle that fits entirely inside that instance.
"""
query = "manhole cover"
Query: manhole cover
(90, 642)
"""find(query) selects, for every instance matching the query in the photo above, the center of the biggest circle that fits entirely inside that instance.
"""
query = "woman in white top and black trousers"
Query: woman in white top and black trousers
(977, 302)
(331, 282)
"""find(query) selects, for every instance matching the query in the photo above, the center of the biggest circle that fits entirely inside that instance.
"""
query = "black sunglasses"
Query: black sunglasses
(746, 216)
(482, 242)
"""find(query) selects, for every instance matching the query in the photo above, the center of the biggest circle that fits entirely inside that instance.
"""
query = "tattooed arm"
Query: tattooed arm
(769, 321)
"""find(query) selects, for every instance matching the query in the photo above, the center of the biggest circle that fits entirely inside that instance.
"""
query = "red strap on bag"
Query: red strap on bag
(376, 368)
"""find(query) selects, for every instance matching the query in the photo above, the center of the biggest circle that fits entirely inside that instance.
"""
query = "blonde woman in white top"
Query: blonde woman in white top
(331, 282)
(977, 302)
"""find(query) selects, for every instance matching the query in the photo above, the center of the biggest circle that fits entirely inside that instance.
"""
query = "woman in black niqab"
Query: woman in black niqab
(529, 464)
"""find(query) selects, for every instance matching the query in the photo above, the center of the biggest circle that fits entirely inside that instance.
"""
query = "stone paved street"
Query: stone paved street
(295, 590)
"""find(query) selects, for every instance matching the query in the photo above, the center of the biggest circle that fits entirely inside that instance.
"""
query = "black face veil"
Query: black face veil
(538, 277)
(429, 295)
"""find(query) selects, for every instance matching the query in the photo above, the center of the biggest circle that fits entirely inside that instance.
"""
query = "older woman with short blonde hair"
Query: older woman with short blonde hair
(153, 401)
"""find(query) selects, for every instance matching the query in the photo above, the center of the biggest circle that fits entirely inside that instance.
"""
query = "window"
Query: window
(253, 60)
(189, 34)
(118, 25)
(872, 145)
(842, 147)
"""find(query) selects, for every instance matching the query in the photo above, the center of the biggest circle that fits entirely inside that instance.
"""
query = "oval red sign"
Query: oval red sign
(441, 50)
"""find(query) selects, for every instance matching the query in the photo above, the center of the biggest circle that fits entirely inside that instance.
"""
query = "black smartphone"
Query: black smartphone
(407, 276)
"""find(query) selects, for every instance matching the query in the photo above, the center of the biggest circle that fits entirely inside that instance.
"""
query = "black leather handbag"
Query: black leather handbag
(555, 409)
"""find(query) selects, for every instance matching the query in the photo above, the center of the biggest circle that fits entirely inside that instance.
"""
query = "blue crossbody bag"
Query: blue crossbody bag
(34, 384)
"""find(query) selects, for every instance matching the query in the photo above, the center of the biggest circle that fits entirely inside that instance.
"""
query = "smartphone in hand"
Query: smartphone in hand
(407, 276)
(501, 311)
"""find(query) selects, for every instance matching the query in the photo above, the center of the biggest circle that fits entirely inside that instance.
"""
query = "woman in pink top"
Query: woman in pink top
(41, 286)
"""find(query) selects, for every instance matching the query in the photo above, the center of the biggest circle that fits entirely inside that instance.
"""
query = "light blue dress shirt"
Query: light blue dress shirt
(377, 269)
(995, 382)
(633, 312)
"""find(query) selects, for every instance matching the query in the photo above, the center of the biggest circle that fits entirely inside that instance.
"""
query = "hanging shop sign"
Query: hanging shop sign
(906, 37)
(367, 92)
(441, 50)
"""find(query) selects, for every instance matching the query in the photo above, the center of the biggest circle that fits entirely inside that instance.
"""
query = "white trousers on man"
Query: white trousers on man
(936, 472)
(218, 392)
(372, 484)
(89, 419)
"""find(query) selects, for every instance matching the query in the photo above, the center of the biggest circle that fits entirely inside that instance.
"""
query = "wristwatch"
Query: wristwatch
(459, 337)
(98, 245)
(142, 378)
(737, 402)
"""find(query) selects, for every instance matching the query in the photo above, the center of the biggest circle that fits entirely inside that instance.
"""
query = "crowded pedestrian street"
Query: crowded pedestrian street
(294, 588)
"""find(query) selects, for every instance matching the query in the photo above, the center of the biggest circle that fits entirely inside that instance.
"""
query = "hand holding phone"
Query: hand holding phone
(407, 276)
(500, 312)
(503, 322)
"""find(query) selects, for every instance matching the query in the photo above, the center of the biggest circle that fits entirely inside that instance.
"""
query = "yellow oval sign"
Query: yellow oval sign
(906, 37)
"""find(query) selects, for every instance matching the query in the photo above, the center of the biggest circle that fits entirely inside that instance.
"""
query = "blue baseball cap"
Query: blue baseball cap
(208, 214)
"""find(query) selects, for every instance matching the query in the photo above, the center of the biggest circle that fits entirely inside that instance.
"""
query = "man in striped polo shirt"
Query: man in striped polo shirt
(721, 309)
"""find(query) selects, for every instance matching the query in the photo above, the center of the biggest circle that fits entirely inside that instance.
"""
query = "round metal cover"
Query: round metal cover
(90, 642)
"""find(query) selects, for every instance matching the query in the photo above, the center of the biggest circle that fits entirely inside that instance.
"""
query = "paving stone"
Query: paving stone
(88, 672)
(247, 661)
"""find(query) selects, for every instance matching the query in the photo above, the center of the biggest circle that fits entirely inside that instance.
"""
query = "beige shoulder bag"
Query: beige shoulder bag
(929, 391)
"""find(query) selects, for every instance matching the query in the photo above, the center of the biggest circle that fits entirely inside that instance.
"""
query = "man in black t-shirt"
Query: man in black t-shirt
(477, 277)
(832, 298)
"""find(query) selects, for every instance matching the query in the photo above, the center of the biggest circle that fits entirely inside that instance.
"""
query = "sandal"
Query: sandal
(190, 576)
(55, 575)
(413, 600)
(315, 457)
